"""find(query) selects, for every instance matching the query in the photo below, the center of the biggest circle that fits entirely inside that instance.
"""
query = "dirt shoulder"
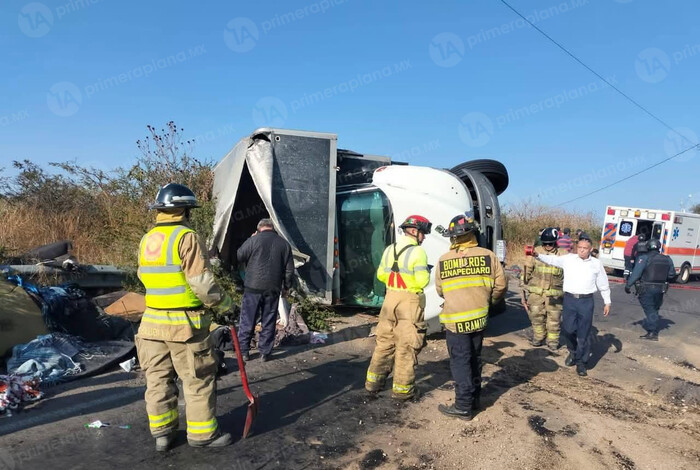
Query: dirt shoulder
(638, 408)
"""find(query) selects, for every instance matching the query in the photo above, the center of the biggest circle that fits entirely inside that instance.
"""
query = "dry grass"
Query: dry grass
(522, 224)
(104, 214)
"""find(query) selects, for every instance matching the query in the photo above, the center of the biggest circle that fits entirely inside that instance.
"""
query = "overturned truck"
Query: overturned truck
(339, 209)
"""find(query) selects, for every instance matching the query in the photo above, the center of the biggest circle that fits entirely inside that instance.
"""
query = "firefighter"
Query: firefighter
(543, 293)
(653, 271)
(470, 279)
(173, 338)
(401, 328)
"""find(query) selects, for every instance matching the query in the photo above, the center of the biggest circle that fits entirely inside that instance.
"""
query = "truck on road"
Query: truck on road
(339, 209)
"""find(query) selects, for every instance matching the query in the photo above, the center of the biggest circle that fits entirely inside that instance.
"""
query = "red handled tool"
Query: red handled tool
(253, 399)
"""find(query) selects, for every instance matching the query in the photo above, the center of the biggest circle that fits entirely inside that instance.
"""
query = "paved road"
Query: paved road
(314, 411)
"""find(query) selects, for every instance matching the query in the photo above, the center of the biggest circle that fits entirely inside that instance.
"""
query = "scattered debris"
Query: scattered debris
(536, 422)
(373, 459)
(128, 364)
(99, 424)
(14, 391)
(130, 306)
(625, 462)
(318, 338)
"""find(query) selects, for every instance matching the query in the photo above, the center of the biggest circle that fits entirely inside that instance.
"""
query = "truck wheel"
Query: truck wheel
(493, 170)
(684, 275)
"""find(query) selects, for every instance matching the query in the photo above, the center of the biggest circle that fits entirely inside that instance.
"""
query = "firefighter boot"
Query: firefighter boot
(164, 442)
(220, 440)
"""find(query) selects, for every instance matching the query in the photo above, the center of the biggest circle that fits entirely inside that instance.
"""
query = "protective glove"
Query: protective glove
(224, 306)
(628, 290)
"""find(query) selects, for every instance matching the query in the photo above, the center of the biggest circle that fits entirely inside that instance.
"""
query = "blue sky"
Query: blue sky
(432, 84)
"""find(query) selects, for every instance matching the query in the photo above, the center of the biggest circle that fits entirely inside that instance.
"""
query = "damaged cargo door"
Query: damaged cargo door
(291, 176)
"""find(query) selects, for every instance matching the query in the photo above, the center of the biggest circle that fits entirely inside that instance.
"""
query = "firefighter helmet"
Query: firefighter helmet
(418, 222)
(175, 196)
(549, 236)
(654, 245)
(461, 225)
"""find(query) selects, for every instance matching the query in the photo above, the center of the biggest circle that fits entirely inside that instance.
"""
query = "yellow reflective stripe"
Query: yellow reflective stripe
(372, 377)
(173, 253)
(167, 290)
(161, 269)
(202, 427)
(399, 388)
(463, 316)
(156, 421)
(541, 291)
(486, 279)
(548, 269)
(171, 318)
(467, 282)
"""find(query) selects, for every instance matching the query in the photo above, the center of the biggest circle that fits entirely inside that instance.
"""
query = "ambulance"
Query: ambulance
(678, 233)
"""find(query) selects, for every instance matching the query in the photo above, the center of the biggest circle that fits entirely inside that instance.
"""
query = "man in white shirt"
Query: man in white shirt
(583, 275)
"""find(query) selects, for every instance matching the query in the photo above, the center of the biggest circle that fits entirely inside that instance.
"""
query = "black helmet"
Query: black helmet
(174, 196)
(549, 236)
(461, 225)
(654, 245)
(642, 237)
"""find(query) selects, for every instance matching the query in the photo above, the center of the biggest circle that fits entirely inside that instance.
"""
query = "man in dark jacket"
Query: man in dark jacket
(269, 271)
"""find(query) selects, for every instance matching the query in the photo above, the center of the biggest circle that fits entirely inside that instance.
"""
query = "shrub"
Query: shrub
(522, 224)
(104, 213)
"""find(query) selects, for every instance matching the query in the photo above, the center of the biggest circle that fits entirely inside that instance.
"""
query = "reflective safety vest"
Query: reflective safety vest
(160, 269)
(405, 268)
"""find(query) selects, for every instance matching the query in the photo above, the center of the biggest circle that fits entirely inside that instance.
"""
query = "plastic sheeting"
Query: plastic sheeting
(288, 176)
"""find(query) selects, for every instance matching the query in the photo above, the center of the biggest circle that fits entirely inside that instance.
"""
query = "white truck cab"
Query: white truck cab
(339, 209)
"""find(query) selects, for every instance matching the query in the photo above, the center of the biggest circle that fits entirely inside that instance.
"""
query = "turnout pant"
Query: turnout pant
(651, 298)
(545, 316)
(253, 303)
(400, 335)
(577, 321)
(192, 361)
(465, 363)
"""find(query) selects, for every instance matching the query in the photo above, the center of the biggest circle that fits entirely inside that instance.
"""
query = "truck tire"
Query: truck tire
(493, 170)
(684, 274)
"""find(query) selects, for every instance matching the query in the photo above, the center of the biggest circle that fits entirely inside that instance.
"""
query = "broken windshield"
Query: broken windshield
(365, 228)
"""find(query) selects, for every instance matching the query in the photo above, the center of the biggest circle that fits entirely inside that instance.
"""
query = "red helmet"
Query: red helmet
(418, 222)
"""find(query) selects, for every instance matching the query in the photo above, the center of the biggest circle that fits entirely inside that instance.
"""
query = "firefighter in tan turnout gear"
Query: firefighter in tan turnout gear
(543, 293)
(174, 334)
(401, 328)
(470, 279)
